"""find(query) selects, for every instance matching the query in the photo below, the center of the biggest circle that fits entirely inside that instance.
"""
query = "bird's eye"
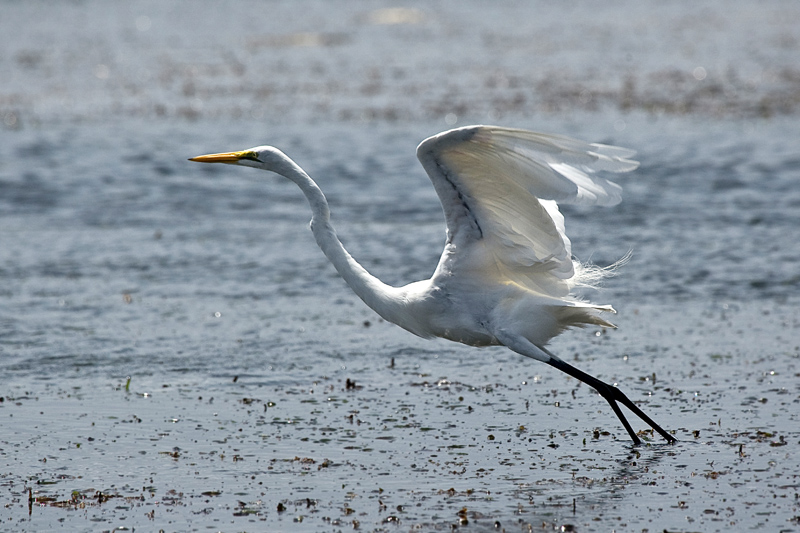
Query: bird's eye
(250, 155)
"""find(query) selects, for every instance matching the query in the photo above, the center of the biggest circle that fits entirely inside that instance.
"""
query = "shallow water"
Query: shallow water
(121, 260)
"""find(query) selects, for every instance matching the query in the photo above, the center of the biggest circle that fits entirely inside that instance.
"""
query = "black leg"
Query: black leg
(612, 396)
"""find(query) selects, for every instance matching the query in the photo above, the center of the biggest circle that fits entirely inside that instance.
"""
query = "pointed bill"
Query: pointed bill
(225, 157)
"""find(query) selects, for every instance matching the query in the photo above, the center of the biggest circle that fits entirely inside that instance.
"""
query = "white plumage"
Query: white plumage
(506, 273)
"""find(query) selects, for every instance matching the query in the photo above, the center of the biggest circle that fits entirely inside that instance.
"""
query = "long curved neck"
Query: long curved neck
(379, 296)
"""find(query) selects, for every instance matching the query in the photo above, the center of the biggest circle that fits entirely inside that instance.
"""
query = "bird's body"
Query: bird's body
(506, 275)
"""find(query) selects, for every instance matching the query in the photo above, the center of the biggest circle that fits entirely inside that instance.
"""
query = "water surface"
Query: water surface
(177, 354)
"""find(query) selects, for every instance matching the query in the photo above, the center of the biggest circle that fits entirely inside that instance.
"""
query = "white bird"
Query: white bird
(506, 274)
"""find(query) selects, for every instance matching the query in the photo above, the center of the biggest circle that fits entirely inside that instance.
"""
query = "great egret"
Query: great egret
(506, 273)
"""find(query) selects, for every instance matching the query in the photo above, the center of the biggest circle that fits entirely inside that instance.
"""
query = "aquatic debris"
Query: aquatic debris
(175, 453)
(245, 509)
(780, 442)
(350, 384)
(78, 499)
(250, 509)
(462, 517)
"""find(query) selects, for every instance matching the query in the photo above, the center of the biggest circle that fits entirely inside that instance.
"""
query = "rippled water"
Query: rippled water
(202, 284)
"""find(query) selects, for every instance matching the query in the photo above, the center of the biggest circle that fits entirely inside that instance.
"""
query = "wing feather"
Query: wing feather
(499, 188)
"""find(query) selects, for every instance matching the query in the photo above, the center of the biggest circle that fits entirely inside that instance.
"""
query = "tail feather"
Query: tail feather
(583, 316)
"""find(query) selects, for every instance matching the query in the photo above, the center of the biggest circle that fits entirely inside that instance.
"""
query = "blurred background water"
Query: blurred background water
(119, 258)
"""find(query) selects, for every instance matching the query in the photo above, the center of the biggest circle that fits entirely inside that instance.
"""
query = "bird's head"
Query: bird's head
(263, 157)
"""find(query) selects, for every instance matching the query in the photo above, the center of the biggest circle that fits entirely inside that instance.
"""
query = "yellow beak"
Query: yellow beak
(225, 157)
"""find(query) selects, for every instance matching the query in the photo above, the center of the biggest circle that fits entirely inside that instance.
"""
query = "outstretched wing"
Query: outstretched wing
(499, 188)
